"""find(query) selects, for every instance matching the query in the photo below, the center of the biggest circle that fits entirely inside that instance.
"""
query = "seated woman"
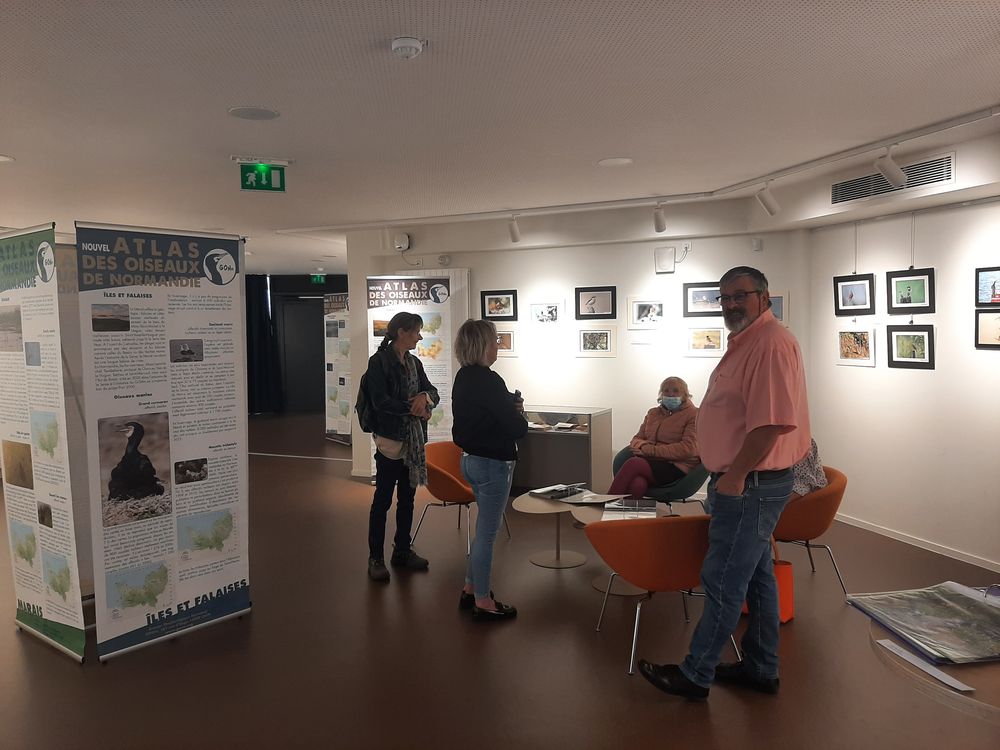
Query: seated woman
(666, 446)
(807, 474)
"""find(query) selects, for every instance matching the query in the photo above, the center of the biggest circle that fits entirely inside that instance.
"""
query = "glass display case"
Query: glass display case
(565, 444)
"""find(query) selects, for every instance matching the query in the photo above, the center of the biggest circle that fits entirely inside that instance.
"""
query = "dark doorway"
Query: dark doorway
(300, 336)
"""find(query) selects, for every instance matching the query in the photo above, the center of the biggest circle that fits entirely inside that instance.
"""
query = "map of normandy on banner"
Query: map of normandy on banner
(35, 454)
(162, 328)
(427, 296)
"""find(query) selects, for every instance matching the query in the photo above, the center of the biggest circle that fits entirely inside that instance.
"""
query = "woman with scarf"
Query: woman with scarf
(402, 398)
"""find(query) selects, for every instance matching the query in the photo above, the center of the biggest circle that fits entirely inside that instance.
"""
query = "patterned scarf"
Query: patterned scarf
(413, 442)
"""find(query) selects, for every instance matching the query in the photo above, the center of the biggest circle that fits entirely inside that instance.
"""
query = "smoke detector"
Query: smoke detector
(407, 47)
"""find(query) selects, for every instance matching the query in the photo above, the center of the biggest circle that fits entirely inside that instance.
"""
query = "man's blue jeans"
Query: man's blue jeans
(490, 480)
(738, 568)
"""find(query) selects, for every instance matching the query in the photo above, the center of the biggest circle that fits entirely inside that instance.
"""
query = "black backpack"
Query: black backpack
(366, 414)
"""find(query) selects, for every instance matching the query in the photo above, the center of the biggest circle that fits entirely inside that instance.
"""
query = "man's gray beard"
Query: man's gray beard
(736, 324)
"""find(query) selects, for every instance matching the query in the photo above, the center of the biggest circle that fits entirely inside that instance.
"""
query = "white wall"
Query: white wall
(921, 448)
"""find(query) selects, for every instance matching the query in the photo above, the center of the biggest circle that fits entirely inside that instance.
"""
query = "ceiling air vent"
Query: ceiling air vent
(930, 172)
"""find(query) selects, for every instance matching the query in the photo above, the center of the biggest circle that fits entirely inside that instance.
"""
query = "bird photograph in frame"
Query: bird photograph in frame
(505, 343)
(988, 287)
(546, 312)
(597, 341)
(499, 305)
(854, 294)
(910, 291)
(988, 329)
(644, 313)
(701, 300)
(135, 467)
(596, 302)
(856, 347)
(911, 347)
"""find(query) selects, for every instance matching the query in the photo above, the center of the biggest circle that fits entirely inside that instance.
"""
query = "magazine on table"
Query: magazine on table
(558, 491)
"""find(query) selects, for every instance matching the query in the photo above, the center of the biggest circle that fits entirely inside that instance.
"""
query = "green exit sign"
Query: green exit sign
(318, 278)
(266, 177)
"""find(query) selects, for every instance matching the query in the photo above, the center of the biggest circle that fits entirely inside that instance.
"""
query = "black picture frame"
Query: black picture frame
(988, 287)
(601, 300)
(910, 347)
(854, 294)
(988, 329)
(910, 292)
(700, 300)
(498, 305)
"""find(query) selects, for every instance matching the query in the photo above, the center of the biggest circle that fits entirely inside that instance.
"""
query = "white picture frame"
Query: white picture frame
(644, 313)
(780, 306)
(705, 341)
(597, 341)
(507, 341)
(856, 347)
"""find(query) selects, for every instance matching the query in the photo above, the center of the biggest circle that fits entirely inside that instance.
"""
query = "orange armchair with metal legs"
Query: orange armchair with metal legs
(655, 554)
(808, 517)
(446, 483)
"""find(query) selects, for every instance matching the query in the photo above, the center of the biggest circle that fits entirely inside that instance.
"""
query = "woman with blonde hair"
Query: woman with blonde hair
(666, 446)
(487, 420)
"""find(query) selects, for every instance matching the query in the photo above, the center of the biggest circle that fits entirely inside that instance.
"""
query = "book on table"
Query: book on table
(632, 504)
(557, 491)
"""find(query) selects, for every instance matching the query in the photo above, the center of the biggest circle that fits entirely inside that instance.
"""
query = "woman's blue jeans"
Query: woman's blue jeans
(738, 568)
(490, 480)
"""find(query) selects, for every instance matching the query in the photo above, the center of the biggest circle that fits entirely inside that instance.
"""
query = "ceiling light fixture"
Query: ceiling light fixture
(513, 229)
(407, 47)
(254, 113)
(615, 161)
(767, 200)
(892, 172)
(659, 219)
(4, 157)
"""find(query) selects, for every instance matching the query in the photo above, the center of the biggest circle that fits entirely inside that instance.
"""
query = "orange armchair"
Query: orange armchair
(446, 483)
(808, 517)
(655, 554)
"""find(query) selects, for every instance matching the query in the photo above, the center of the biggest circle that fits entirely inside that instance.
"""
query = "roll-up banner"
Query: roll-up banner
(35, 452)
(339, 407)
(162, 321)
(427, 296)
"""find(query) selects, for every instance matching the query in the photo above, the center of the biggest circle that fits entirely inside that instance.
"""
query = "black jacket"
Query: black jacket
(387, 389)
(486, 423)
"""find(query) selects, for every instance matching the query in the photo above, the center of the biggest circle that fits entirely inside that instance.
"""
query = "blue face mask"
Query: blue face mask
(673, 403)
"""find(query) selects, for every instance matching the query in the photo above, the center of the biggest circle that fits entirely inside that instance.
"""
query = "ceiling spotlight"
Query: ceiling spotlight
(615, 161)
(892, 172)
(659, 220)
(514, 230)
(407, 47)
(254, 113)
(767, 200)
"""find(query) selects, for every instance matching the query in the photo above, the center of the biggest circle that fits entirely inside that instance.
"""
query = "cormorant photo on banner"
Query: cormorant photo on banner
(135, 467)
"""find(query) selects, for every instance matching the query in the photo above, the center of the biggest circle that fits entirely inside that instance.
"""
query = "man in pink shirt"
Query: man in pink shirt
(753, 425)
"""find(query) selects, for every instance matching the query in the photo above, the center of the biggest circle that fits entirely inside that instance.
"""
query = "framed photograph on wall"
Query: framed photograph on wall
(644, 313)
(701, 300)
(597, 341)
(499, 305)
(911, 347)
(854, 295)
(546, 312)
(505, 343)
(988, 287)
(596, 303)
(988, 329)
(910, 291)
(856, 347)
(705, 341)
(779, 306)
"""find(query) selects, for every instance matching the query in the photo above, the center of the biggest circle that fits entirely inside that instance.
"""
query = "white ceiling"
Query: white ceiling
(116, 111)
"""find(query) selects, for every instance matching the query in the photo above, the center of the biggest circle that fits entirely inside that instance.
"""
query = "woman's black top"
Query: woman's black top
(486, 422)
(387, 387)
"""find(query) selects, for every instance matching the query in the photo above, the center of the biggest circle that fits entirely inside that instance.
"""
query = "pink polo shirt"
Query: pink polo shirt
(759, 381)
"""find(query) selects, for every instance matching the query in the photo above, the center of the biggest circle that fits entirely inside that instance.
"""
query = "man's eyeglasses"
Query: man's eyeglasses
(739, 298)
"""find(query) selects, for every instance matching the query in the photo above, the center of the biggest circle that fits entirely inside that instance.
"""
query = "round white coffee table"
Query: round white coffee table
(557, 558)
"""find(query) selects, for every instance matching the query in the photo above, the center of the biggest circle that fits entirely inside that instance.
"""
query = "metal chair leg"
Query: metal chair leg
(506, 525)
(604, 604)
(834, 561)
(417, 531)
(635, 631)
(809, 552)
(739, 656)
(460, 517)
(684, 601)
